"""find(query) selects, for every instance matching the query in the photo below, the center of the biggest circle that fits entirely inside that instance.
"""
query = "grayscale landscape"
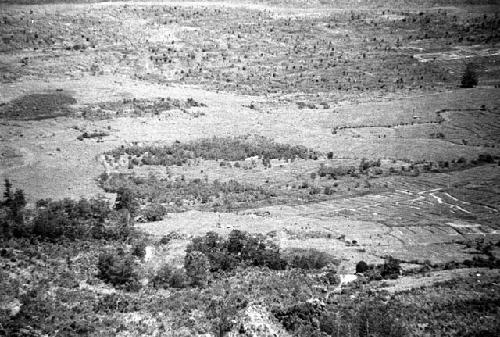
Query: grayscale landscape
(250, 168)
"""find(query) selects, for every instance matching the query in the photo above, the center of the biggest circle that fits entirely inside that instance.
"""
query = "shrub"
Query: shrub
(332, 277)
(83, 219)
(139, 249)
(114, 302)
(154, 212)
(309, 259)
(371, 317)
(178, 279)
(391, 269)
(299, 315)
(126, 199)
(333, 172)
(165, 240)
(197, 268)
(12, 211)
(485, 158)
(167, 277)
(470, 77)
(361, 267)
(118, 270)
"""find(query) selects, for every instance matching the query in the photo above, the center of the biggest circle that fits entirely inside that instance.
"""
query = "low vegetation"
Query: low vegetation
(178, 195)
(38, 106)
(137, 107)
(216, 148)
(118, 270)
(290, 284)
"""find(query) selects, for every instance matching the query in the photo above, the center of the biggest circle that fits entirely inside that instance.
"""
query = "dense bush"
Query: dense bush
(368, 316)
(114, 302)
(240, 248)
(469, 78)
(225, 148)
(139, 249)
(12, 211)
(390, 269)
(334, 172)
(153, 212)
(92, 135)
(184, 195)
(243, 249)
(308, 259)
(197, 268)
(169, 277)
(126, 199)
(366, 164)
(118, 270)
(299, 315)
(83, 219)
(361, 267)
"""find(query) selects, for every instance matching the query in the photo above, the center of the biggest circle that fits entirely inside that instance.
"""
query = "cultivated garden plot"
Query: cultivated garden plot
(249, 168)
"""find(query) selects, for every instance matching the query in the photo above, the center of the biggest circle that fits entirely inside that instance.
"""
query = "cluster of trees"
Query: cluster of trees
(12, 210)
(184, 194)
(391, 269)
(209, 257)
(119, 269)
(240, 248)
(84, 219)
(215, 148)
